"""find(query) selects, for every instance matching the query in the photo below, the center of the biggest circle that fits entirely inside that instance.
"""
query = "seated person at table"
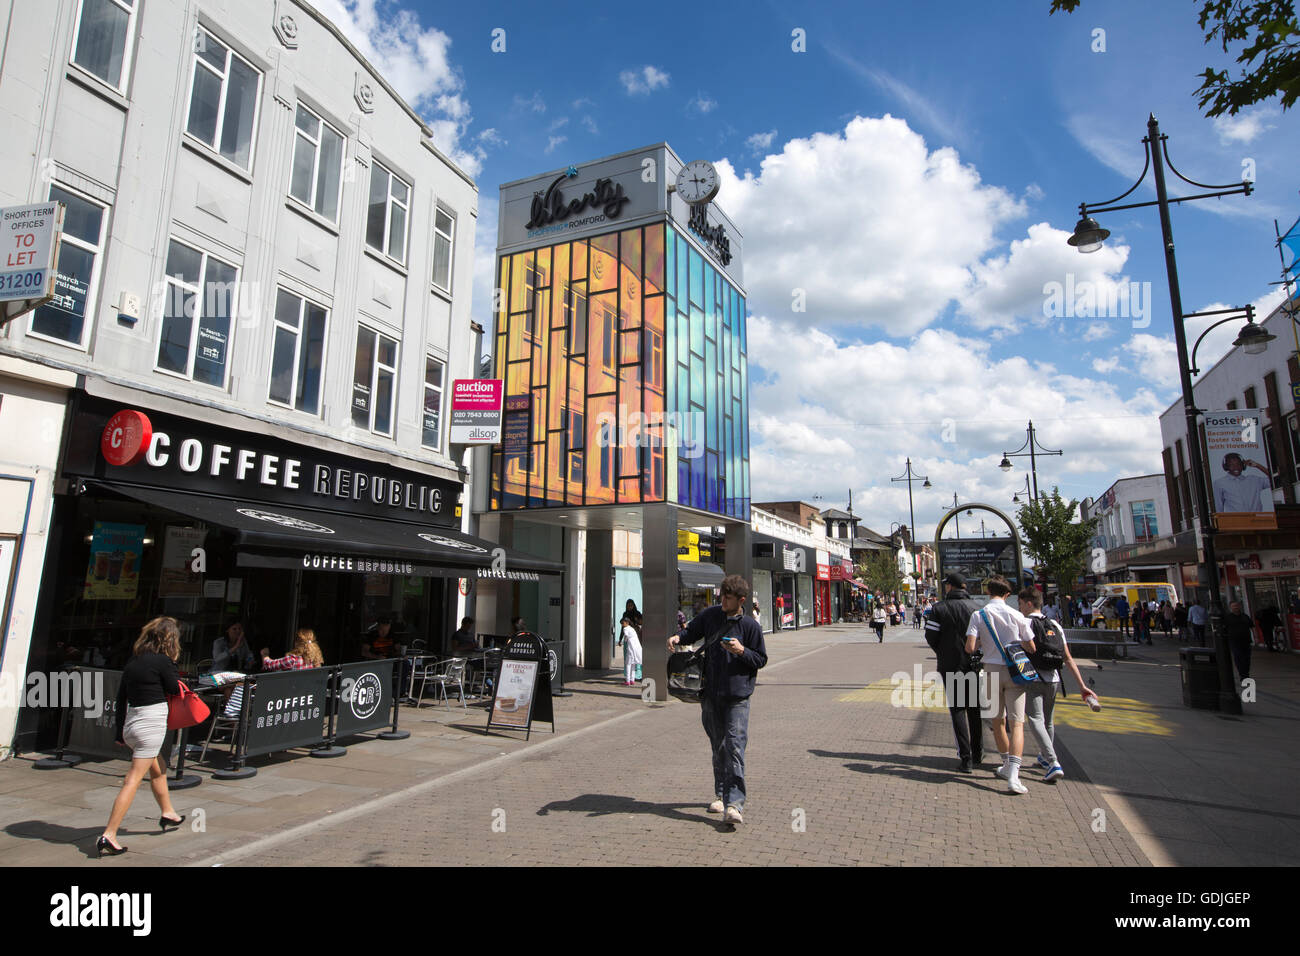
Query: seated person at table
(462, 640)
(377, 644)
(232, 653)
(306, 653)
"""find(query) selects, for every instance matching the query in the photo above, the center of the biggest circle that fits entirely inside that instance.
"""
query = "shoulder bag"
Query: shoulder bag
(185, 709)
(1014, 656)
(686, 673)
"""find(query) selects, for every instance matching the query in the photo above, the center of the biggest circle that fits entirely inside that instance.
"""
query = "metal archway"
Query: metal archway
(977, 559)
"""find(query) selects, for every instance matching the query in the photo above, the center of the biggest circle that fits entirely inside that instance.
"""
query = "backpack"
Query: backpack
(1049, 642)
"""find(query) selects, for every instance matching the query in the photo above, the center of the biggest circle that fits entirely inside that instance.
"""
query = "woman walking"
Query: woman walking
(148, 679)
(631, 651)
(878, 622)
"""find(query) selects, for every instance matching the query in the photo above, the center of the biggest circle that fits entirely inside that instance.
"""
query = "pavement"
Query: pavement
(850, 762)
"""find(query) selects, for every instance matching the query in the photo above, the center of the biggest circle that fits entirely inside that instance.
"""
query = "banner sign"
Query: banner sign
(113, 570)
(476, 405)
(979, 559)
(1241, 487)
(287, 709)
(365, 697)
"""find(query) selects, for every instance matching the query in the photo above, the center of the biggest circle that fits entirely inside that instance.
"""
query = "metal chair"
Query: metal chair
(453, 673)
(424, 671)
(225, 717)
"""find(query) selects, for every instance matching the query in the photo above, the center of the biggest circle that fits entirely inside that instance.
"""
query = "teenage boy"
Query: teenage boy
(1006, 697)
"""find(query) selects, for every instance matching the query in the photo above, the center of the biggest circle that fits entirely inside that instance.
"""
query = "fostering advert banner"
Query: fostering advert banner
(1241, 486)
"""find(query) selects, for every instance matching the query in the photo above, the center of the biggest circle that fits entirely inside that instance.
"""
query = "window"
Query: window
(103, 41)
(1293, 433)
(67, 317)
(200, 299)
(1144, 520)
(576, 434)
(374, 381)
(317, 164)
(386, 217)
(535, 285)
(432, 401)
(223, 100)
(297, 353)
(1274, 470)
(443, 230)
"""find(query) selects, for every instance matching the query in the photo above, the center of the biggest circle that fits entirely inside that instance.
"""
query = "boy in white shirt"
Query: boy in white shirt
(1008, 697)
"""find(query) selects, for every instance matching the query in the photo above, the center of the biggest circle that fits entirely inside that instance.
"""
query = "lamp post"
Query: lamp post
(1034, 448)
(956, 517)
(1015, 499)
(908, 476)
(1088, 237)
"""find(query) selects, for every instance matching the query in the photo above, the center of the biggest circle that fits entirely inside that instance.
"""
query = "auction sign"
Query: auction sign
(476, 405)
(1240, 483)
(29, 246)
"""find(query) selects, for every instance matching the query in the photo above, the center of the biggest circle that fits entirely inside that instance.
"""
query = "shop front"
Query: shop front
(162, 514)
(1271, 579)
(822, 611)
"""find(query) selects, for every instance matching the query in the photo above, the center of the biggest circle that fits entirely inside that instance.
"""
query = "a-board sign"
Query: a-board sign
(523, 690)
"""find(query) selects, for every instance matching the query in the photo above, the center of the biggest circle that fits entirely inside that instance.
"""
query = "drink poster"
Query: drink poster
(178, 577)
(113, 568)
(513, 702)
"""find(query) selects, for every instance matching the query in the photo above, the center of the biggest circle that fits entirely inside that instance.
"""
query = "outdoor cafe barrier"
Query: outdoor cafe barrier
(280, 710)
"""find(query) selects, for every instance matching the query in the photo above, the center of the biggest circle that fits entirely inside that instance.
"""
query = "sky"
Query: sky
(909, 174)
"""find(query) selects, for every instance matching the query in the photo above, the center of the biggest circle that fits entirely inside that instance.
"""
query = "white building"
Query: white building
(263, 247)
(1133, 520)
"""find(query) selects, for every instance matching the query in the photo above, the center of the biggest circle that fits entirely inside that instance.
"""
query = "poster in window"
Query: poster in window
(1240, 483)
(113, 566)
(178, 577)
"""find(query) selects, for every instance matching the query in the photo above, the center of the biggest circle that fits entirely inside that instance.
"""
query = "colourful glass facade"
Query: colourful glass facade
(624, 358)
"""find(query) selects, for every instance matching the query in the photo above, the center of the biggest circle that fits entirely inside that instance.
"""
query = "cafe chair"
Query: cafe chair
(222, 719)
(203, 666)
(453, 674)
(425, 671)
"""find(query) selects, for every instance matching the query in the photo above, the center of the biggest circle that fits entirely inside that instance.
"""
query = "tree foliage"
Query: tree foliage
(879, 572)
(1263, 30)
(1054, 539)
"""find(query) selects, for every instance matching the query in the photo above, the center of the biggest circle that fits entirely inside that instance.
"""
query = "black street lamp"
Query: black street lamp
(956, 515)
(1088, 237)
(1015, 499)
(907, 476)
(1032, 444)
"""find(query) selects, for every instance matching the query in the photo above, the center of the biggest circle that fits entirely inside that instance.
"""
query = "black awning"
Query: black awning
(699, 575)
(275, 535)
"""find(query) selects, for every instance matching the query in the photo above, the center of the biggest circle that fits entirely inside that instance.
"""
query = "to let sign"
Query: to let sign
(29, 239)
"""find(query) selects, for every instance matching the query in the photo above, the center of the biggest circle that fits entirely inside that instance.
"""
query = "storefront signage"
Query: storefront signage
(29, 241)
(346, 562)
(365, 697)
(823, 572)
(688, 545)
(177, 577)
(146, 447)
(551, 207)
(714, 236)
(288, 709)
(1269, 562)
(476, 410)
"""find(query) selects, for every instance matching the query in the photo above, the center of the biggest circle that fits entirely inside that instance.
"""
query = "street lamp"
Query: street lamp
(956, 515)
(907, 476)
(1088, 237)
(1032, 444)
(1015, 499)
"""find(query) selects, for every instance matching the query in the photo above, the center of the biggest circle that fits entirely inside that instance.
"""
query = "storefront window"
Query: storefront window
(805, 600)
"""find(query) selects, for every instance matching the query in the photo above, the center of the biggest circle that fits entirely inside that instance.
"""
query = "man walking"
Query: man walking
(1196, 621)
(1240, 631)
(1121, 612)
(732, 659)
(1007, 697)
(945, 632)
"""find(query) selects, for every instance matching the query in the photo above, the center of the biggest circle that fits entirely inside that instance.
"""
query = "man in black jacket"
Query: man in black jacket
(731, 665)
(945, 632)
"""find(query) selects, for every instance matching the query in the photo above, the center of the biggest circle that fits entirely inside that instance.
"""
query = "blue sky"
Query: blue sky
(915, 172)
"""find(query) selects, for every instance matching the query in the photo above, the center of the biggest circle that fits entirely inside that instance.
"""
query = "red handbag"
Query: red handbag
(185, 709)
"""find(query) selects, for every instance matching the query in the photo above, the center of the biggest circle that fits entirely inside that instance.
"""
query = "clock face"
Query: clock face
(697, 182)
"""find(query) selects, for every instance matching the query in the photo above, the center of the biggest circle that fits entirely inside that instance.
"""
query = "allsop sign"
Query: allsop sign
(476, 410)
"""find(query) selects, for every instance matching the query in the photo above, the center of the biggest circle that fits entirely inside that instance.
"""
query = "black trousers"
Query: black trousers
(967, 725)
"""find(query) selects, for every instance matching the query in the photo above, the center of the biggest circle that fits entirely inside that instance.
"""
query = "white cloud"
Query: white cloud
(582, 102)
(554, 141)
(828, 416)
(1097, 331)
(560, 123)
(1034, 192)
(589, 125)
(641, 82)
(915, 104)
(702, 104)
(1244, 127)
(490, 137)
(761, 141)
(533, 104)
(1105, 366)
(485, 242)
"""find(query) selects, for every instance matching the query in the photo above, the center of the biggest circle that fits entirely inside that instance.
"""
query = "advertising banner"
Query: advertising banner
(177, 577)
(29, 242)
(113, 568)
(979, 559)
(287, 709)
(1240, 485)
(476, 405)
(365, 697)
(514, 697)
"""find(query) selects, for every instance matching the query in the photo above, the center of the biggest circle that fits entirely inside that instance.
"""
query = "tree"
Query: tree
(880, 573)
(1054, 539)
(1267, 29)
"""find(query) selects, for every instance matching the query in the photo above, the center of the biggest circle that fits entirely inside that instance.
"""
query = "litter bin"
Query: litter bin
(1200, 671)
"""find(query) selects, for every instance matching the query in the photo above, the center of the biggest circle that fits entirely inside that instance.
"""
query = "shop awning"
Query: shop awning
(699, 574)
(276, 535)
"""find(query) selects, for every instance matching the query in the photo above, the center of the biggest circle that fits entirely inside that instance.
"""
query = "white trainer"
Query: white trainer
(1015, 786)
(716, 806)
(733, 816)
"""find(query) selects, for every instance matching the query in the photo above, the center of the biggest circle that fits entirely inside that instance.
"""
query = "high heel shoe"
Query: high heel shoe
(105, 845)
(166, 823)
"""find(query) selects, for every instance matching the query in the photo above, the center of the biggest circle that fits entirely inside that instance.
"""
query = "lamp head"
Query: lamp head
(927, 484)
(1088, 235)
(1005, 463)
(1253, 338)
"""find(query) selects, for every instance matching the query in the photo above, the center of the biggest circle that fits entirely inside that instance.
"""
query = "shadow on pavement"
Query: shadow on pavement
(921, 769)
(603, 804)
(59, 835)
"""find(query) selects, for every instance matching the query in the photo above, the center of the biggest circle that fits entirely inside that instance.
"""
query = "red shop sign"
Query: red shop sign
(126, 438)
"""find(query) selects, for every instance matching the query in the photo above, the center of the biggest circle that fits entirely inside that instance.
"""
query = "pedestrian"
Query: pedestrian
(733, 656)
(633, 615)
(756, 613)
(631, 643)
(1167, 618)
(1121, 613)
(149, 678)
(998, 623)
(878, 623)
(945, 632)
(1269, 622)
(916, 617)
(1196, 621)
(1240, 631)
(1180, 619)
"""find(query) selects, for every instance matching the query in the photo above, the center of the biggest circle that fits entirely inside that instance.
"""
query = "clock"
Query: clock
(697, 182)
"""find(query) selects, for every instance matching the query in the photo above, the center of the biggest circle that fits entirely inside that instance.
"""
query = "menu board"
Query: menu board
(113, 568)
(513, 703)
(178, 578)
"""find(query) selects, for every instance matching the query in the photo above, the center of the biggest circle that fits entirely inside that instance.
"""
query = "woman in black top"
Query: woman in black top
(148, 679)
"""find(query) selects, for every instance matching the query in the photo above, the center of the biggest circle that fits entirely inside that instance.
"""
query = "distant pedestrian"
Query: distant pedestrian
(1270, 623)
(631, 651)
(878, 623)
(1180, 619)
(756, 613)
(1167, 618)
(1196, 621)
(1240, 631)
(1121, 613)
(916, 617)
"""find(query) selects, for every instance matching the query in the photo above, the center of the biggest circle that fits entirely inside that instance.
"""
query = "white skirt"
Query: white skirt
(145, 730)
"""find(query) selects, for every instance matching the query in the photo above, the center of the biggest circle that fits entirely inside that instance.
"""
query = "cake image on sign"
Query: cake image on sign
(367, 693)
(452, 543)
(508, 704)
(284, 521)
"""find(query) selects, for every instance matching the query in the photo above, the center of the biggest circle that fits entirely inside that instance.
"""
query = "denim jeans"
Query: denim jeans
(726, 721)
(1039, 700)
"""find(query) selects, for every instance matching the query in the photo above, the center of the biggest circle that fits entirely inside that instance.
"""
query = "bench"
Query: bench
(1096, 639)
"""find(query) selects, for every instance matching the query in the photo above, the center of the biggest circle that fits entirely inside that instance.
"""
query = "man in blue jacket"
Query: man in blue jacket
(731, 664)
